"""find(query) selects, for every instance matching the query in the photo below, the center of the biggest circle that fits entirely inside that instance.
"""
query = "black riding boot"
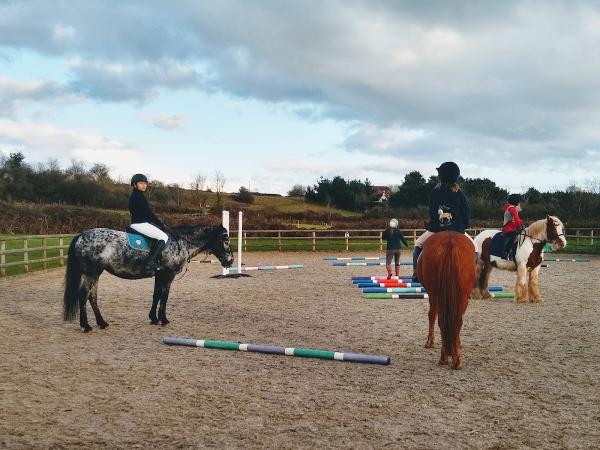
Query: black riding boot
(152, 263)
(416, 252)
(507, 246)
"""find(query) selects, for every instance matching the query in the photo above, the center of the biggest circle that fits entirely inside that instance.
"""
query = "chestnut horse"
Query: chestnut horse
(446, 268)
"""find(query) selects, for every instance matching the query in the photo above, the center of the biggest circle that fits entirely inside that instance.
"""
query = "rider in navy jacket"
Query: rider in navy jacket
(448, 208)
(140, 210)
(455, 214)
(144, 221)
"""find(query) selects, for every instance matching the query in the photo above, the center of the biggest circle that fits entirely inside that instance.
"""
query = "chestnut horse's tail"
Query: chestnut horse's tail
(452, 287)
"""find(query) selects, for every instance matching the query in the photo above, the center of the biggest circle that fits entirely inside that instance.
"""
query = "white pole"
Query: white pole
(226, 225)
(239, 249)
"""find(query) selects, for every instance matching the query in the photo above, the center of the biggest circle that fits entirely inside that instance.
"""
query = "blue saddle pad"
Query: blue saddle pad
(139, 242)
(497, 247)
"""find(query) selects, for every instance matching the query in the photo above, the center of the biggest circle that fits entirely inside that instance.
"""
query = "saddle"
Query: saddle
(497, 248)
(138, 241)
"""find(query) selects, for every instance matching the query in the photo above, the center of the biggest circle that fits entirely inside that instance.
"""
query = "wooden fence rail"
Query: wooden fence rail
(26, 250)
(580, 239)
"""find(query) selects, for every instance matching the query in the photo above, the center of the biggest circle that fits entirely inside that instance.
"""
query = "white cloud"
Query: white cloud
(165, 121)
(14, 92)
(506, 84)
(132, 82)
(41, 141)
(368, 138)
(63, 33)
(314, 169)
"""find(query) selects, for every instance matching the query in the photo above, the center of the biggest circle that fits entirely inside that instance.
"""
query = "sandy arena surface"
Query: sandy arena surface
(530, 378)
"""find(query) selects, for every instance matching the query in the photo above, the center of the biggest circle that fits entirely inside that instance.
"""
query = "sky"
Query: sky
(275, 93)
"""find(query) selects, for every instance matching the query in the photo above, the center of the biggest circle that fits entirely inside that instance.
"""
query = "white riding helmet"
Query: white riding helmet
(394, 223)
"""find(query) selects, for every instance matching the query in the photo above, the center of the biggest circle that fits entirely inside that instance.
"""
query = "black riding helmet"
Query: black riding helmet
(514, 199)
(137, 178)
(448, 172)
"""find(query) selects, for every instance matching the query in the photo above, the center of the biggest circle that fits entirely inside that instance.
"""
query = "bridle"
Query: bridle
(555, 240)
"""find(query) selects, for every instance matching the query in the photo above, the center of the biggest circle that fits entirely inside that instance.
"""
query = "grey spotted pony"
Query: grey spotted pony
(100, 249)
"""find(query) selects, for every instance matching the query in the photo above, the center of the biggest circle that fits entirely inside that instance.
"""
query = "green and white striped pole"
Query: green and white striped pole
(276, 350)
(567, 260)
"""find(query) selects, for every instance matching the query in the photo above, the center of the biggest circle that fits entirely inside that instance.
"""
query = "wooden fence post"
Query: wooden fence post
(414, 237)
(279, 239)
(26, 254)
(591, 238)
(314, 241)
(61, 252)
(381, 241)
(2, 257)
(347, 236)
(245, 242)
(45, 252)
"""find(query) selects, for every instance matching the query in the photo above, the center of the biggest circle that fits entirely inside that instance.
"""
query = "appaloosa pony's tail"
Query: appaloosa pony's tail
(72, 283)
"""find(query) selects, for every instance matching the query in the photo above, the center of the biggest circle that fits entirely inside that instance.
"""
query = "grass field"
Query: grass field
(583, 246)
(277, 204)
(294, 205)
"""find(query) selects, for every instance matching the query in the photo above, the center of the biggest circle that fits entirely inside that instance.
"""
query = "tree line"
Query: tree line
(409, 199)
(93, 187)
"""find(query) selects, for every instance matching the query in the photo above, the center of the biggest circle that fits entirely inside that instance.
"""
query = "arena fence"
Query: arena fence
(22, 254)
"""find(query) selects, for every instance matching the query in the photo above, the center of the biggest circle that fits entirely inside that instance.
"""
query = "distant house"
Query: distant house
(382, 192)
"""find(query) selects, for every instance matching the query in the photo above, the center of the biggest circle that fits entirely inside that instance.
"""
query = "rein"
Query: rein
(523, 234)
(187, 263)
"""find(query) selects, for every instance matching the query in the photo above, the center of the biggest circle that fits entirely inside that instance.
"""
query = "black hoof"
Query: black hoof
(86, 329)
(154, 322)
(102, 326)
(164, 322)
